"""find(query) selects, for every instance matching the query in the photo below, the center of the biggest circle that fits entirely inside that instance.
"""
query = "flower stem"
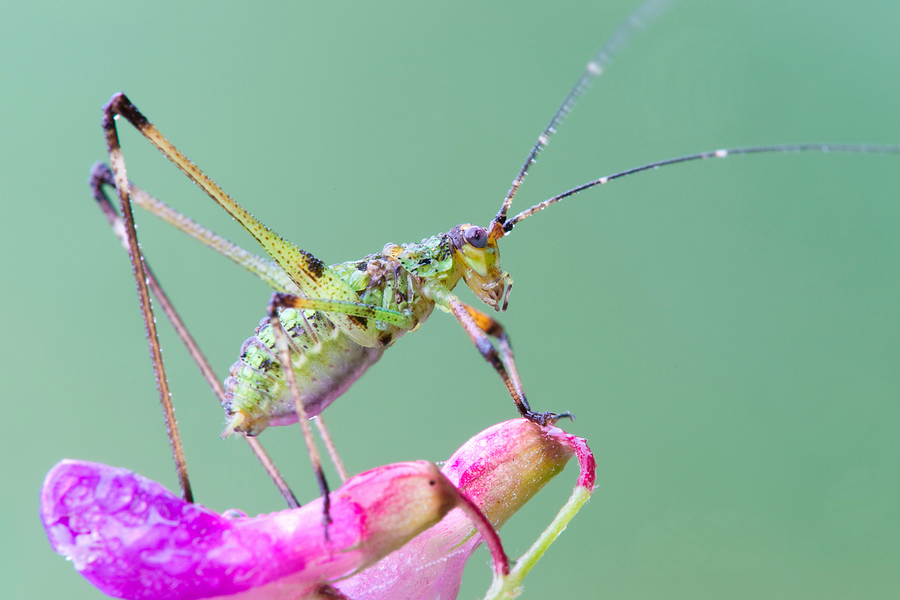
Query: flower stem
(510, 585)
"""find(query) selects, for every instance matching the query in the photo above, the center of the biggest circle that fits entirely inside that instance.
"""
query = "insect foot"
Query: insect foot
(500, 469)
(132, 538)
(545, 419)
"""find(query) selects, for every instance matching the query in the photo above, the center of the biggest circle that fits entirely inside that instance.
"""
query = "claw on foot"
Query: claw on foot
(547, 418)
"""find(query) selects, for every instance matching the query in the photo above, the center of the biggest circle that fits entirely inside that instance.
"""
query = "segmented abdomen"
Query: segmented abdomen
(325, 360)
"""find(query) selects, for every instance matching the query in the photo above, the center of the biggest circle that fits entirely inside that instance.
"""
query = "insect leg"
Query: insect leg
(325, 591)
(311, 275)
(268, 271)
(100, 176)
(330, 307)
(284, 356)
(137, 266)
(332, 450)
(352, 309)
(480, 327)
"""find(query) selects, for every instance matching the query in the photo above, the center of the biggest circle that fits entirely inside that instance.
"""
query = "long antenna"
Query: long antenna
(851, 148)
(636, 22)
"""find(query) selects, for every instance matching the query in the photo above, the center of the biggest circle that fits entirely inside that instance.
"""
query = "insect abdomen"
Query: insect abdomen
(325, 360)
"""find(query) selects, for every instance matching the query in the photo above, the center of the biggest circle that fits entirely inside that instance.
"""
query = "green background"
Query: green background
(726, 332)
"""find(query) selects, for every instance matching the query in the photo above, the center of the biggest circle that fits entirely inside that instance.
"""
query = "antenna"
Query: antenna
(851, 148)
(636, 22)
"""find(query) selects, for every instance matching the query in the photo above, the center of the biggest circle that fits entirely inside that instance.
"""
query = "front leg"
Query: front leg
(481, 328)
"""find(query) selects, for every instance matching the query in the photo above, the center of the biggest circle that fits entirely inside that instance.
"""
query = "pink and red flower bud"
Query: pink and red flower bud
(500, 469)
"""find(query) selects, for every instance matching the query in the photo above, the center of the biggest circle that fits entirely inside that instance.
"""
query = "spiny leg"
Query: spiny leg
(284, 356)
(137, 267)
(329, 307)
(479, 327)
(343, 307)
(100, 176)
(311, 275)
(332, 449)
(493, 328)
(266, 270)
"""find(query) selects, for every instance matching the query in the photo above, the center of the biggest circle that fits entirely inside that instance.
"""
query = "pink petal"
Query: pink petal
(132, 538)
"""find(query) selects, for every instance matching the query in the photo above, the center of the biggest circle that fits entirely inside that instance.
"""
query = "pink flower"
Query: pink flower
(500, 469)
(132, 538)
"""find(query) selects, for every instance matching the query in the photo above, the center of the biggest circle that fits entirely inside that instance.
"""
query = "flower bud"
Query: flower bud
(499, 469)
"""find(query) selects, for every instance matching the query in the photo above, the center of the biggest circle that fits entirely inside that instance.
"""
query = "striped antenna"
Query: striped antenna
(851, 148)
(636, 22)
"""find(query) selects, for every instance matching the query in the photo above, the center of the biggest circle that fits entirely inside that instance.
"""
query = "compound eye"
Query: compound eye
(476, 236)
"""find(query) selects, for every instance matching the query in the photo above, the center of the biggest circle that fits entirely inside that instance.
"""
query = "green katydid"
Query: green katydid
(340, 319)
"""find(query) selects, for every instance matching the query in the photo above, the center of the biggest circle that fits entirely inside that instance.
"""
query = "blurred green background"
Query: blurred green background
(727, 332)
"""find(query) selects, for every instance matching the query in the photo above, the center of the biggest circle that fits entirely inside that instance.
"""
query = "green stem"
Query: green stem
(510, 586)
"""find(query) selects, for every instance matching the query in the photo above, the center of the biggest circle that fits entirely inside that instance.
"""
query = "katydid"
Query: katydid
(339, 320)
